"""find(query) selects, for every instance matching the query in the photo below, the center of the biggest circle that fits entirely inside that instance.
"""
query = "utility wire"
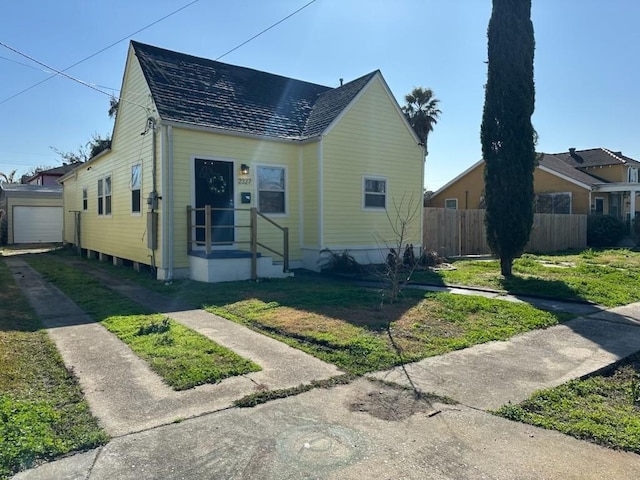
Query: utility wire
(66, 75)
(93, 87)
(266, 30)
(93, 54)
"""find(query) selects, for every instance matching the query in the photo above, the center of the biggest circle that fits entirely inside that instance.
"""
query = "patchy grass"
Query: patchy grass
(603, 409)
(345, 325)
(181, 356)
(605, 277)
(43, 413)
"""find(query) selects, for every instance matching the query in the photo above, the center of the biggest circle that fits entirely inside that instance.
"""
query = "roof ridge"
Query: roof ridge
(613, 154)
(212, 61)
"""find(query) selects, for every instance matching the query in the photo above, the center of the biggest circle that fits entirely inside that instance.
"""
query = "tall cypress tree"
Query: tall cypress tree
(508, 144)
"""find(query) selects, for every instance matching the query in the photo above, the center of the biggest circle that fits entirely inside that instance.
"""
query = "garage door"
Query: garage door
(37, 224)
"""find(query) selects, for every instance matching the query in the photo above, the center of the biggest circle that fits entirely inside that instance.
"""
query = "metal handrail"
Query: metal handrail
(253, 234)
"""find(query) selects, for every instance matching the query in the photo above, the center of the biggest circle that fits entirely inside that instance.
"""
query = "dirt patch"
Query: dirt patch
(391, 404)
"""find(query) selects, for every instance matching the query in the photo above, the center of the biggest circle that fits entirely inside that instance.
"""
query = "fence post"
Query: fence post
(207, 228)
(254, 243)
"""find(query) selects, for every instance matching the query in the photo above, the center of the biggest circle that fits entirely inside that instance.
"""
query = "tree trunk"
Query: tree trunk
(505, 266)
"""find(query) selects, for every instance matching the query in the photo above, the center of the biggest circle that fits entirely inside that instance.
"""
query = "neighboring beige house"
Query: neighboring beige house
(596, 181)
(242, 147)
(34, 213)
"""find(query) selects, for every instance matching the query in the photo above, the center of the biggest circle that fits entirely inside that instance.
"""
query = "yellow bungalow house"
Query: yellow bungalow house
(593, 181)
(212, 162)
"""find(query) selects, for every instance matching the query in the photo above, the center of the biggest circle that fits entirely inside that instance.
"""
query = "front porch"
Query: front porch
(622, 201)
(215, 237)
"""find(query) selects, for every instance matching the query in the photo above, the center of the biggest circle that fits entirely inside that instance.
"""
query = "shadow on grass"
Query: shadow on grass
(538, 287)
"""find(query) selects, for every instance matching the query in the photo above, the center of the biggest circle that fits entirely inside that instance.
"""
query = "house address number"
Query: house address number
(244, 181)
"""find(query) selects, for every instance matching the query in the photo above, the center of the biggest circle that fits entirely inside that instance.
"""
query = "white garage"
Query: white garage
(37, 224)
(34, 213)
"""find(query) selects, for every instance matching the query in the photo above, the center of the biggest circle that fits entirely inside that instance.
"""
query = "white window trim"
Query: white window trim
(287, 189)
(104, 205)
(635, 171)
(364, 192)
(450, 199)
(85, 196)
(133, 214)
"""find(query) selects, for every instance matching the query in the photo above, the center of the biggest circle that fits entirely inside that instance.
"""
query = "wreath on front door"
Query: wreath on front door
(217, 184)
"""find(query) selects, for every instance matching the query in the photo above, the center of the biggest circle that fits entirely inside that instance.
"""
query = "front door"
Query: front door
(214, 186)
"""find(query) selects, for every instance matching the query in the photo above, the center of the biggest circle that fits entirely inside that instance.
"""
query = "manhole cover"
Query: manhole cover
(320, 446)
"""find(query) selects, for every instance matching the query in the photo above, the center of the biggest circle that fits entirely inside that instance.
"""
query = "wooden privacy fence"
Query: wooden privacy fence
(462, 232)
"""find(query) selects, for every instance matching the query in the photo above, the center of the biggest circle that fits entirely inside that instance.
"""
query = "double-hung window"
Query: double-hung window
(271, 190)
(136, 184)
(85, 199)
(375, 192)
(104, 195)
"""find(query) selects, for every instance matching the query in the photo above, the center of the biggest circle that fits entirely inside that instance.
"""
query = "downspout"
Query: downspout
(169, 203)
(321, 193)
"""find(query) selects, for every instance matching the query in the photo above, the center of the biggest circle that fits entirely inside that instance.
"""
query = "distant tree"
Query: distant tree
(8, 177)
(93, 147)
(508, 138)
(422, 112)
(114, 104)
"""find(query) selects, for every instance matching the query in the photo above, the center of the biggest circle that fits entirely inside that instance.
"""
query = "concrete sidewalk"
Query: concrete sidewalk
(124, 393)
(346, 433)
(361, 430)
(489, 375)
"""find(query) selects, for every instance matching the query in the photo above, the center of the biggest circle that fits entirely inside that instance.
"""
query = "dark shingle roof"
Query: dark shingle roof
(204, 92)
(576, 164)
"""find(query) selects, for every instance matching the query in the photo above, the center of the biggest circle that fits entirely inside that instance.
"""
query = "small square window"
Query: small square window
(375, 193)
(451, 203)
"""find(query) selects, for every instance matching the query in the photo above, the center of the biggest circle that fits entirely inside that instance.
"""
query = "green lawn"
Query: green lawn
(181, 356)
(43, 413)
(604, 409)
(605, 277)
(346, 325)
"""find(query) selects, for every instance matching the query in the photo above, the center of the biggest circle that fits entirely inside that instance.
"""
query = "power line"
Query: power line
(93, 54)
(66, 75)
(265, 30)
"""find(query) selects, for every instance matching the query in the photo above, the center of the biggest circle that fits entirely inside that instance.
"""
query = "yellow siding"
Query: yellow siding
(611, 173)
(310, 189)
(70, 203)
(469, 189)
(369, 140)
(190, 144)
(466, 190)
(545, 182)
(123, 233)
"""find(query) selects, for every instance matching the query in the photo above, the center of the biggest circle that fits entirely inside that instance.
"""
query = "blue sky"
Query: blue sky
(587, 64)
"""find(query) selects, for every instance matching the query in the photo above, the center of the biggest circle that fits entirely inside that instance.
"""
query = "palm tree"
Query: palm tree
(8, 178)
(422, 112)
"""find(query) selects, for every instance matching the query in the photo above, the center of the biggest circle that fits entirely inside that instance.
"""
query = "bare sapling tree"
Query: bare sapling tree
(404, 222)
(401, 260)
